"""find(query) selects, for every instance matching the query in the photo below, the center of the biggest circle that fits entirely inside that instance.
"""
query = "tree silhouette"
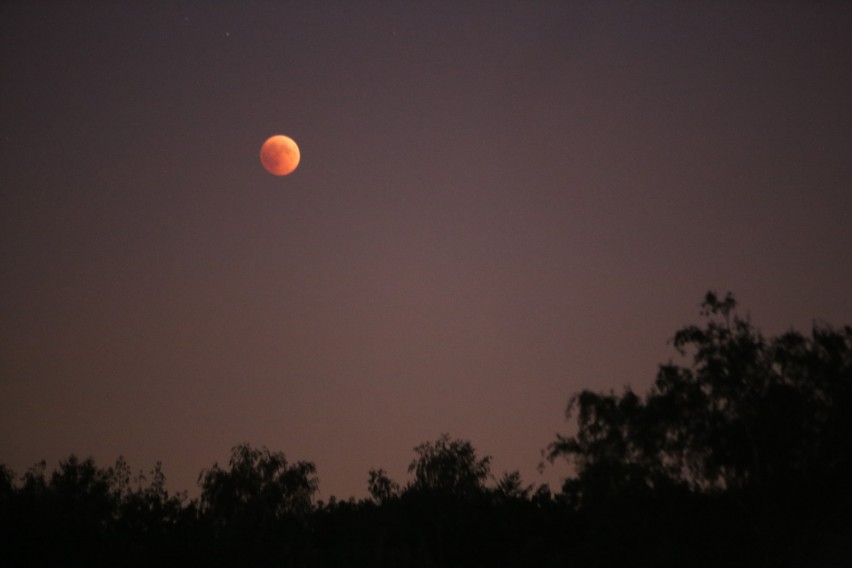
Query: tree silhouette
(255, 511)
(450, 467)
(762, 424)
(739, 454)
(258, 488)
(382, 489)
(749, 412)
(510, 486)
(148, 510)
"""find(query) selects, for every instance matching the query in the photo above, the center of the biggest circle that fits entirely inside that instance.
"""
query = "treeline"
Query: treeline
(742, 457)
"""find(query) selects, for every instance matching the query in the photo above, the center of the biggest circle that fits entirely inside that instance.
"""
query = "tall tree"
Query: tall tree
(749, 413)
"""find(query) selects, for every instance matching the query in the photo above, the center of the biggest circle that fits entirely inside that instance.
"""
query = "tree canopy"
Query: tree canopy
(749, 413)
(259, 487)
(739, 453)
(449, 466)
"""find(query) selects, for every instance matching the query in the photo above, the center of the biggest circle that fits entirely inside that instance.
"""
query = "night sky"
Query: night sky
(498, 204)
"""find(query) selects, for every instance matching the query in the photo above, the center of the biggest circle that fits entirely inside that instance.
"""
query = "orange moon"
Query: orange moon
(280, 155)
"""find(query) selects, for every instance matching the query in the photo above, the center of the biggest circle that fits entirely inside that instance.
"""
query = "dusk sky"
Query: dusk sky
(498, 204)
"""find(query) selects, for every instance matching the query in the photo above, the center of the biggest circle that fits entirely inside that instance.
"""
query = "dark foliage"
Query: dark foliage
(749, 446)
(742, 457)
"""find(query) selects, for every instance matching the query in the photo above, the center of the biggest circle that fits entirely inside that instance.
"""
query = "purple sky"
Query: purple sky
(498, 204)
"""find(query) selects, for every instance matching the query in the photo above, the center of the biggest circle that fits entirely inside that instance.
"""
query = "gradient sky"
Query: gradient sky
(498, 204)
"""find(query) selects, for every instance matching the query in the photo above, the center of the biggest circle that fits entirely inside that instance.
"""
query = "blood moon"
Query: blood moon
(280, 155)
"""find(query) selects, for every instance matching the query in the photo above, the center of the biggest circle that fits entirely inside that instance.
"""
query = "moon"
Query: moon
(280, 155)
